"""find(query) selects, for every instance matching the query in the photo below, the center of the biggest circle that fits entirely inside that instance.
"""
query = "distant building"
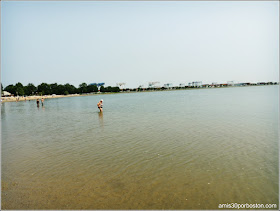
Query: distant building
(243, 84)
(168, 85)
(206, 85)
(223, 85)
(196, 84)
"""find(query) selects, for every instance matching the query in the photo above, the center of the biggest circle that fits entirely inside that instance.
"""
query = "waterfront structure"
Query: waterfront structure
(206, 85)
(6, 94)
(243, 84)
(195, 84)
(230, 83)
(223, 85)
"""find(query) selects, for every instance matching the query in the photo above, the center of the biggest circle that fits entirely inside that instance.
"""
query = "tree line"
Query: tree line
(54, 88)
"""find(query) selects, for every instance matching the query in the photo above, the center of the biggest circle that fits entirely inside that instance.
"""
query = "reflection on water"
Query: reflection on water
(191, 149)
(100, 115)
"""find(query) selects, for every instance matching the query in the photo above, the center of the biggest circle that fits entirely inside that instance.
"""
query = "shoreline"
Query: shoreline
(34, 97)
(28, 98)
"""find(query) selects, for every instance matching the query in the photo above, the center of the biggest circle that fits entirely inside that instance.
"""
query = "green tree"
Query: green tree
(19, 89)
(19, 85)
(11, 88)
(44, 88)
(30, 89)
(83, 88)
(61, 89)
(103, 89)
(92, 88)
(109, 89)
(70, 88)
(53, 88)
(115, 89)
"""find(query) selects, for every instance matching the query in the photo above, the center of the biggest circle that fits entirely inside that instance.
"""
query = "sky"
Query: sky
(139, 42)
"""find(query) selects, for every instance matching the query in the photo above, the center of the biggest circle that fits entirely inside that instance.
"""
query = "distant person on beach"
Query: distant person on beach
(38, 102)
(100, 105)
(42, 100)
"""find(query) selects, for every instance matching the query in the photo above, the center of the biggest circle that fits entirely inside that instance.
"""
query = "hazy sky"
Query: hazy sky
(138, 42)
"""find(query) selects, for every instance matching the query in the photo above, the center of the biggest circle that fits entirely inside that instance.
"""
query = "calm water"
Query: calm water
(191, 149)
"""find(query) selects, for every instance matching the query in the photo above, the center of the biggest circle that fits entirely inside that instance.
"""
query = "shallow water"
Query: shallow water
(189, 149)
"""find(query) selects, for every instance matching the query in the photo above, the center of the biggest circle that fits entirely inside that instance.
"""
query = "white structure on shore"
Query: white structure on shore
(230, 83)
(6, 94)
(196, 84)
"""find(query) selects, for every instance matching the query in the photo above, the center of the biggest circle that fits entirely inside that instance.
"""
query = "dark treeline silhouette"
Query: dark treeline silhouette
(109, 89)
(58, 89)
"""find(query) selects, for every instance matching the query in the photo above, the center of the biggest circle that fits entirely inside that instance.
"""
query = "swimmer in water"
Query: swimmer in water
(38, 102)
(100, 105)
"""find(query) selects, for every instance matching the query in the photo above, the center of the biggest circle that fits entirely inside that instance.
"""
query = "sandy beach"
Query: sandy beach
(21, 98)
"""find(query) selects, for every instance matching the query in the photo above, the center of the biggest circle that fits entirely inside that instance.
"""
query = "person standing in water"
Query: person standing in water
(38, 102)
(42, 100)
(100, 105)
